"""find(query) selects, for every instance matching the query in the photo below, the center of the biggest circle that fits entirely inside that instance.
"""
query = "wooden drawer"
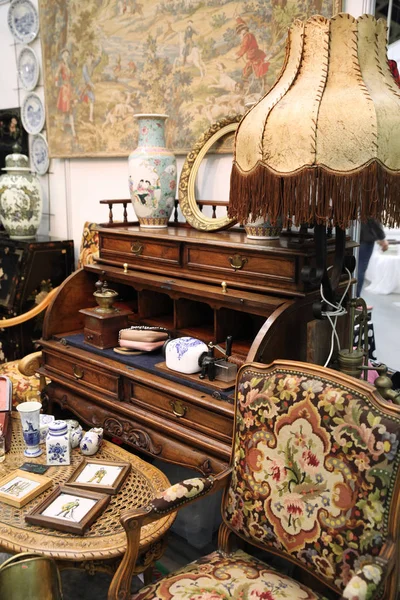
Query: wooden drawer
(166, 441)
(83, 375)
(137, 250)
(184, 412)
(243, 265)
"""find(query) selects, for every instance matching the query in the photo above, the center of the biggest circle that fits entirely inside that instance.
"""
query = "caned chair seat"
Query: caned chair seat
(218, 576)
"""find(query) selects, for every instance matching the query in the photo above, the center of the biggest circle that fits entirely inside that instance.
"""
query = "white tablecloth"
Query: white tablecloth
(383, 271)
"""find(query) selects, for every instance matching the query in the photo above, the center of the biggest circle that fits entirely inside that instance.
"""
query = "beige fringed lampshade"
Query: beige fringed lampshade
(325, 140)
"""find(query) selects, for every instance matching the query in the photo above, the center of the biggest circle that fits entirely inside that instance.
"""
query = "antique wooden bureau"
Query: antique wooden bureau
(206, 285)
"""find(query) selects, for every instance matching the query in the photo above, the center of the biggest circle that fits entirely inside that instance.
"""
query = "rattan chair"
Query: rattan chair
(314, 479)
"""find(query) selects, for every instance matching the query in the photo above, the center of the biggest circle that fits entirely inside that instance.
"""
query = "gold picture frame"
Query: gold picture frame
(190, 169)
(101, 476)
(20, 487)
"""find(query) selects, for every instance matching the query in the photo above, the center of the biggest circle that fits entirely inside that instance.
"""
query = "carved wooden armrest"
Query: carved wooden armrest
(166, 502)
(33, 312)
(29, 364)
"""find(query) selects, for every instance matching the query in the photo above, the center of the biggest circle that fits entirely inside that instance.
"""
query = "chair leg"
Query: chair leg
(225, 539)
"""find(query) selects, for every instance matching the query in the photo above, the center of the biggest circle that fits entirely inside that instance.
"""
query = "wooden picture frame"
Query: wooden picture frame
(80, 508)
(108, 483)
(17, 482)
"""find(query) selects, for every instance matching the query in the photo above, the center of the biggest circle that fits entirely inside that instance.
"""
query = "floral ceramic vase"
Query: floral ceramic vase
(261, 229)
(20, 198)
(58, 450)
(152, 173)
(92, 441)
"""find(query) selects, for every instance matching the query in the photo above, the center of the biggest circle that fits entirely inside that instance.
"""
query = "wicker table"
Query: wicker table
(104, 543)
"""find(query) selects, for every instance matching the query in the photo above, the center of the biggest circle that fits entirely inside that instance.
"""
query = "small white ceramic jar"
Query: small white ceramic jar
(45, 421)
(57, 444)
(91, 441)
(182, 354)
(75, 432)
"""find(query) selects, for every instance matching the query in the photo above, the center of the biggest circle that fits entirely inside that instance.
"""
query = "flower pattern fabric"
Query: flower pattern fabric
(314, 469)
(89, 249)
(237, 576)
(24, 388)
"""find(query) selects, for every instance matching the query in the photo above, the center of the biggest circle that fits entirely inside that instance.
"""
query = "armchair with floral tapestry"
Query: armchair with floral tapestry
(314, 479)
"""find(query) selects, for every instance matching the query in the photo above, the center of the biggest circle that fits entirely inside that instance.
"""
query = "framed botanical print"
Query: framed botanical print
(69, 509)
(100, 475)
(195, 61)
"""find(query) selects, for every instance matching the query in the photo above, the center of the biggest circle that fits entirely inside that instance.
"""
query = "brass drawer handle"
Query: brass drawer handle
(178, 408)
(137, 248)
(78, 372)
(237, 262)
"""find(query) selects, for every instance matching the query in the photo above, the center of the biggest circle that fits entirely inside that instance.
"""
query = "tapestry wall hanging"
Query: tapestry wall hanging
(195, 60)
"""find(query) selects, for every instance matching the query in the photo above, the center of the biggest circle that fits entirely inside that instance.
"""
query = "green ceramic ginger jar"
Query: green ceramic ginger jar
(20, 198)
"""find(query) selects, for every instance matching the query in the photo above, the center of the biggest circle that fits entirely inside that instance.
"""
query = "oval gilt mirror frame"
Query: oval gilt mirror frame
(187, 181)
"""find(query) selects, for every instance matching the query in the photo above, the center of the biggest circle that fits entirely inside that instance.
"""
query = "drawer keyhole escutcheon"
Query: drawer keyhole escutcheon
(237, 262)
(137, 248)
(78, 372)
(178, 408)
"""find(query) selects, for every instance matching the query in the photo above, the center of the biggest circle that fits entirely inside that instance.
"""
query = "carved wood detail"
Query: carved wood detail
(127, 432)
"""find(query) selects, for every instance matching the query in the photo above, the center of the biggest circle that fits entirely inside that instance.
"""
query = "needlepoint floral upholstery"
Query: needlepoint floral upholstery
(237, 576)
(89, 249)
(315, 467)
(24, 388)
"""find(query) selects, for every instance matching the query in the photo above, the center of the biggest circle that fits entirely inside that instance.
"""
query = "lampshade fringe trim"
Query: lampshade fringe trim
(310, 194)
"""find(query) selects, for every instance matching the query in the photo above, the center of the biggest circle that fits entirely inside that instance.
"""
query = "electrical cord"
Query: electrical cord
(332, 315)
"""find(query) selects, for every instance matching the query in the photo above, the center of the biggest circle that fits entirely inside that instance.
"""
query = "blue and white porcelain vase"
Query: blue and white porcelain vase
(91, 441)
(75, 432)
(30, 421)
(20, 198)
(182, 354)
(58, 450)
(45, 421)
(152, 173)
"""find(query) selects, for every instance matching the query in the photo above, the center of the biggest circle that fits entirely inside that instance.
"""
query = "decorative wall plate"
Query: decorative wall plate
(40, 154)
(23, 21)
(28, 68)
(32, 113)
